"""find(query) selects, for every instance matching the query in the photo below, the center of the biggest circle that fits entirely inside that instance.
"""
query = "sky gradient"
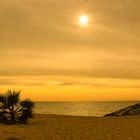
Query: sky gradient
(46, 53)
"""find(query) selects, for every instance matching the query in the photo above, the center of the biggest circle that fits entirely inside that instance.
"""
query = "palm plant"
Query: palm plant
(13, 110)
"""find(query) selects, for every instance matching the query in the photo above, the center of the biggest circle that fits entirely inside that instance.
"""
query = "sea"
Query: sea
(80, 108)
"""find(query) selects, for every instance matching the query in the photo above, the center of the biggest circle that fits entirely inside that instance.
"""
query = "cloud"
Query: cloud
(42, 38)
(17, 82)
(7, 82)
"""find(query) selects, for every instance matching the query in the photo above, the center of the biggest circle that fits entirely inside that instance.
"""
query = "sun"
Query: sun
(83, 20)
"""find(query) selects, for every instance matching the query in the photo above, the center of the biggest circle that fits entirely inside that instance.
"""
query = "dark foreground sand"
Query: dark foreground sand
(53, 127)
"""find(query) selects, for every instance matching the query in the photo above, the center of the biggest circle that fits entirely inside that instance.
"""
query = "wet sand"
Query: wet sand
(55, 127)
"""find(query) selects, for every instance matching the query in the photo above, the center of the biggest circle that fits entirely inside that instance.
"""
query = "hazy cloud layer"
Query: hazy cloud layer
(44, 38)
(49, 82)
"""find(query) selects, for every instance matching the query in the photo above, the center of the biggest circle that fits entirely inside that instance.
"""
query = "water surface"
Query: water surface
(80, 108)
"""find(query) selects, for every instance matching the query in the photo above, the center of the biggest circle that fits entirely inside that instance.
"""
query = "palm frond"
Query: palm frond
(11, 109)
(12, 97)
(27, 104)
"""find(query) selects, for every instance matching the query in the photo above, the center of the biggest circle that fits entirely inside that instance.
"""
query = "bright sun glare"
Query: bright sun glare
(83, 20)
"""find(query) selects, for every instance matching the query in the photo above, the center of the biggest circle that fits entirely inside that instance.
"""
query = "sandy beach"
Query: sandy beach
(55, 127)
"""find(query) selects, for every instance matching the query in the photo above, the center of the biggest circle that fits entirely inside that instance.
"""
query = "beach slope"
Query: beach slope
(55, 127)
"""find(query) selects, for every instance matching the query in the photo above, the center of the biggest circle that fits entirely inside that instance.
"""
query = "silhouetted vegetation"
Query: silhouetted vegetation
(12, 110)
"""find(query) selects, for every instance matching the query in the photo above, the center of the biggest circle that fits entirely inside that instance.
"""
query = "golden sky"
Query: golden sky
(47, 54)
